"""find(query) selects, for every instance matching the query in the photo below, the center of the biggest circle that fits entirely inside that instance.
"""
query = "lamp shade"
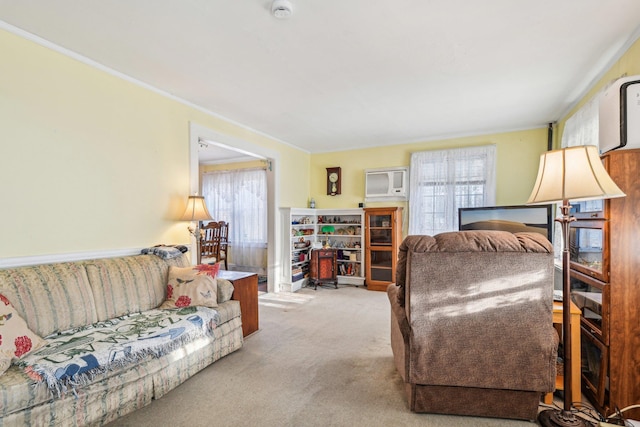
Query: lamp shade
(196, 210)
(572, 174)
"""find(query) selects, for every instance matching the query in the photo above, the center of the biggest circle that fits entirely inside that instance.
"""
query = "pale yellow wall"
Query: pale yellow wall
(518, 154)
(627, 65)
(91, 162)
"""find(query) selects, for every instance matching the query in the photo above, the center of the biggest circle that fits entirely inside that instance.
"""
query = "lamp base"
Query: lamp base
(561, 418)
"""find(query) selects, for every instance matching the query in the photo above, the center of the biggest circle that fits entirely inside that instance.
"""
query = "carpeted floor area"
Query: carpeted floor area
(320, 358)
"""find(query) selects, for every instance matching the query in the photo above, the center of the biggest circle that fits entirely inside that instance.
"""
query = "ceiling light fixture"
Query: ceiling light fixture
(282, 9)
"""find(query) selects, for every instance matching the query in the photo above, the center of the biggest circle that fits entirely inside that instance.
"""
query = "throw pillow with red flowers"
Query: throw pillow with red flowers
(16, 339)
(192, 286)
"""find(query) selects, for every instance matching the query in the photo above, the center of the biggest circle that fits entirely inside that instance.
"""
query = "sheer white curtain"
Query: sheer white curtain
(239, 197)
(582, 128)
(444, 180)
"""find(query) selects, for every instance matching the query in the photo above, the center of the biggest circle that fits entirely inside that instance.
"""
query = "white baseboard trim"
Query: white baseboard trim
(77, 256)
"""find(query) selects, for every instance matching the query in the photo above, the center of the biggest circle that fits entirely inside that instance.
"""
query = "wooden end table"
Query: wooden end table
(576, 391)
(245, 290)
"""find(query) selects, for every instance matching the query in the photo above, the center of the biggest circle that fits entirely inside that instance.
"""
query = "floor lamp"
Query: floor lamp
(566, 175)
(196, 211)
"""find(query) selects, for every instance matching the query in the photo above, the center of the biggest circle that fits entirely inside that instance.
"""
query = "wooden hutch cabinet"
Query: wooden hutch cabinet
(323, 267)
(605, 285)
(383, 235)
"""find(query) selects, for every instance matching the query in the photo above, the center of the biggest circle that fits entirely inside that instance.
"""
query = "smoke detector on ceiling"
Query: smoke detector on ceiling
(282, 9)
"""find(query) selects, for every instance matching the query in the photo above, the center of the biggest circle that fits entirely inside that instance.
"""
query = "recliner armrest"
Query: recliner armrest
(398, 310)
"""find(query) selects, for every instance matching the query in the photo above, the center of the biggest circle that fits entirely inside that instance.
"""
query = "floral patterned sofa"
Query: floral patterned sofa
(107, 348)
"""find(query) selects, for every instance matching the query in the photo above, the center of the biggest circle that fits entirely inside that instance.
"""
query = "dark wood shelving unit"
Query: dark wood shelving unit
(605, 284)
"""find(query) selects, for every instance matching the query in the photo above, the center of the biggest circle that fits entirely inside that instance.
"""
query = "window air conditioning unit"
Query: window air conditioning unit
(619, 115)
(386, 184)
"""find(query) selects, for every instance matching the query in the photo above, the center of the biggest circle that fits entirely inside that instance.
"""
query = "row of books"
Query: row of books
(349, 269)
(297, 274)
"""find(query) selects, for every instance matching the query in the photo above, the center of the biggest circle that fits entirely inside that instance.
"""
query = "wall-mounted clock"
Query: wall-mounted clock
(334, 181)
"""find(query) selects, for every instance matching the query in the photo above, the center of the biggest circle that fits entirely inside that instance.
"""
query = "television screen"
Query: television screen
(508, 218)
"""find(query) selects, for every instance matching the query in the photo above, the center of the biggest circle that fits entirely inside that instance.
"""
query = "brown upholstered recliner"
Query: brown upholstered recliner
(471, 323)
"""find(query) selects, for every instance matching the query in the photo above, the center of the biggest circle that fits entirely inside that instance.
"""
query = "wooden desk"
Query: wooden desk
(245, 290)
(576, 391)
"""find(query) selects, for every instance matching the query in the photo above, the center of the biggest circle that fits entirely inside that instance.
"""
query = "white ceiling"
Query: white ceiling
(350, 73)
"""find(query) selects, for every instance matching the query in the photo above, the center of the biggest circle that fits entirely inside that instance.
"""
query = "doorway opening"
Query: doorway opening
(213, 147)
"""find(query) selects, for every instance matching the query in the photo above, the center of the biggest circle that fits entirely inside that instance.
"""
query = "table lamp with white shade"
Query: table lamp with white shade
(196, 211)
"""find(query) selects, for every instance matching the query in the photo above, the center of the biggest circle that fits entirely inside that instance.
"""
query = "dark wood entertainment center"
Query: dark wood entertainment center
(605, 284)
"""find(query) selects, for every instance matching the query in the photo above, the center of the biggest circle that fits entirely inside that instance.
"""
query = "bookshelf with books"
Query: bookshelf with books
(342, 229)
(306, 229)
(300, 226)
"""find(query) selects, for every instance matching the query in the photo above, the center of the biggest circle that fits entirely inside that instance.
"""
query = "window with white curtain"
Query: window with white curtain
(582, 128)
(441, 181)
(239, 197)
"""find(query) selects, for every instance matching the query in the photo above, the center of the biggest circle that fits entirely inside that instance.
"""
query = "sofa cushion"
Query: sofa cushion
(16, 339)
(192, 286)
(126, 285)
(17, 392)
(51, 297)
(228, 310)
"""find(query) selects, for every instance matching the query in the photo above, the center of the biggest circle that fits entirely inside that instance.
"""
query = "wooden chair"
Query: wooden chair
(214, 244)
(210, 242)
(224, 243)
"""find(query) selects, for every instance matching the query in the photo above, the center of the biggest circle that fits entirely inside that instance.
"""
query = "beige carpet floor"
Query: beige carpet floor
(320, 358)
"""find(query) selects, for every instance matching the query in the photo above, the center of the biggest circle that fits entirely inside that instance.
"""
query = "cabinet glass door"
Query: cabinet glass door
(595, 366)
(592, 298)
(380, 230)
(381, 265)
(588, 246)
